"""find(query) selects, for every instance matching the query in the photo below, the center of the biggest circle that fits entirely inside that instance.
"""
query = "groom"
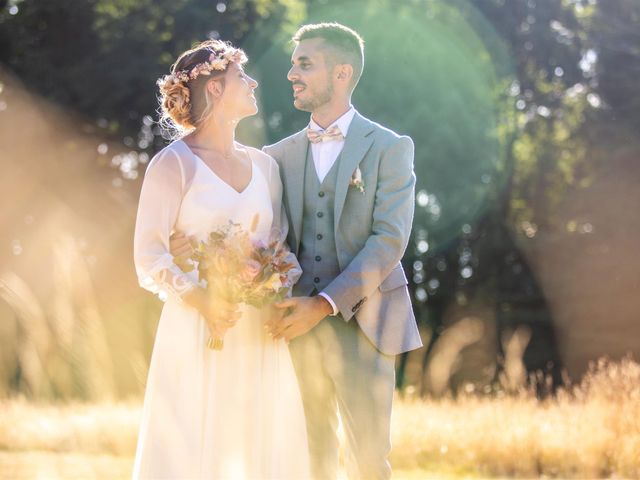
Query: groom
(349, 197)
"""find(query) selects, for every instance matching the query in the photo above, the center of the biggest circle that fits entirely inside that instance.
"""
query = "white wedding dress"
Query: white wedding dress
(229, 414)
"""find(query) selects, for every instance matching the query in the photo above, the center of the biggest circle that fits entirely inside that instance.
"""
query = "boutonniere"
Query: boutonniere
(356, 180)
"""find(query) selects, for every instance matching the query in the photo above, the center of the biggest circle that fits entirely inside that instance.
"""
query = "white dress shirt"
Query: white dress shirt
(324, 155)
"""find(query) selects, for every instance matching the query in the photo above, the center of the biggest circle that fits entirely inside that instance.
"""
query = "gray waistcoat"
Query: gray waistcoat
(317, 253)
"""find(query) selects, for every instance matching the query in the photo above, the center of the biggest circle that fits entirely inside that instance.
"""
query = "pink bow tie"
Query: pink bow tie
(332, 133)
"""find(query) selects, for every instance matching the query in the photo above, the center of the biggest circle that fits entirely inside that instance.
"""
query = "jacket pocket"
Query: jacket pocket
(395, 279)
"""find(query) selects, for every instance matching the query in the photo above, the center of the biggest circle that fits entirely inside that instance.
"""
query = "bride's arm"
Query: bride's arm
(158, 209)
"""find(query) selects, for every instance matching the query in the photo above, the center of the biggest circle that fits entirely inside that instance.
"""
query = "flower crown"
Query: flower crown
(217, 61)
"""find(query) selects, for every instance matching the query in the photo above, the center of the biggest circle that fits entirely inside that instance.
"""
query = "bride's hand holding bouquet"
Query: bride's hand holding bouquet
(219, 314)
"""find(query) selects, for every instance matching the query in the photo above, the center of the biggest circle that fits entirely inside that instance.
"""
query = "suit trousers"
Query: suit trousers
(342, 374)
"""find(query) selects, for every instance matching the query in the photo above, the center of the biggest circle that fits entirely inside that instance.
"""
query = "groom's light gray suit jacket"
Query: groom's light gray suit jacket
(371, 230)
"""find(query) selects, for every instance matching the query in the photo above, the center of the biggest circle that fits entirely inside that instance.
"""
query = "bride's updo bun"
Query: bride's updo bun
(175, 98)
(184, 101)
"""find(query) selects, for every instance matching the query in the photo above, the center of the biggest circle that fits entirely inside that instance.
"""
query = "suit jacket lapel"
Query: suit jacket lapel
(356, 145)
(294, 160)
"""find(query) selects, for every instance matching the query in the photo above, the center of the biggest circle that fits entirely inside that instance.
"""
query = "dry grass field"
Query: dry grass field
(591, 430)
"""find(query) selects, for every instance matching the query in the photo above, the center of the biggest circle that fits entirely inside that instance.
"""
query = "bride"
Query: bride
(221, 399)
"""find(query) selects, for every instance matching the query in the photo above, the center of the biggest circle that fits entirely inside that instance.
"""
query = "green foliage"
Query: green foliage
(102, 57)
(614, 33)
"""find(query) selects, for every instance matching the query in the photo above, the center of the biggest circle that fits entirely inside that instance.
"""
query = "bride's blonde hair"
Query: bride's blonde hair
(184, 100)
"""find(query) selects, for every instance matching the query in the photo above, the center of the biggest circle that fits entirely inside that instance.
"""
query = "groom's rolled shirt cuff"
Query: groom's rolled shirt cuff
(331, 302)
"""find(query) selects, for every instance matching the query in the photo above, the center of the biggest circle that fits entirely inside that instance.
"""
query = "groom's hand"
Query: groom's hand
(179, 245)
(306, 313)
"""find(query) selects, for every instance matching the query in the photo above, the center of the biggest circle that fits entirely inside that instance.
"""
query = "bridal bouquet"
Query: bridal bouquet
(240, 270)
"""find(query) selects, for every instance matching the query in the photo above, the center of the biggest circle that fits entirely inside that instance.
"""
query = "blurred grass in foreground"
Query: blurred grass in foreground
(591, 430)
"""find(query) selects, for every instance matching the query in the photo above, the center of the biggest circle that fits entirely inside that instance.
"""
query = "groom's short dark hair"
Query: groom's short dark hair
(346, 45)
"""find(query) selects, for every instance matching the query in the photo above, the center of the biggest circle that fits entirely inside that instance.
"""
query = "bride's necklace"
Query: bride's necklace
(228, 155)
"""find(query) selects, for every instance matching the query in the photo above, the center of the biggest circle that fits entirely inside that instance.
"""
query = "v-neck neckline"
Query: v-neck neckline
(205, 165)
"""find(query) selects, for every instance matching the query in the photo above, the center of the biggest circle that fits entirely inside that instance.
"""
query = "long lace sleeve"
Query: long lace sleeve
(280, 223)
(160, 199)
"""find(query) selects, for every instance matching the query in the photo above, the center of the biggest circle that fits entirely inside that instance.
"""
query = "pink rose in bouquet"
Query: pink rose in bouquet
(251, 270)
